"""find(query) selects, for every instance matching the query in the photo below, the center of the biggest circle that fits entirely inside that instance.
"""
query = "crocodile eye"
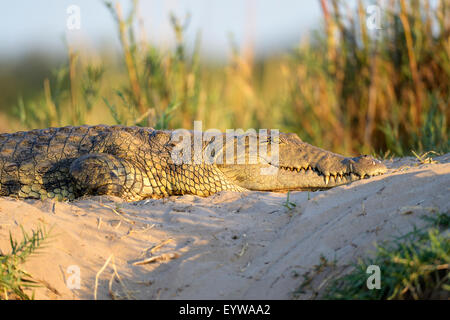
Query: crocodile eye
(275, 139)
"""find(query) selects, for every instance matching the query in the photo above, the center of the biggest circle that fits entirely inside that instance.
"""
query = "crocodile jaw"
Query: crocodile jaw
(320, 176)
(291, 178)
(302, 166)
(311, 178)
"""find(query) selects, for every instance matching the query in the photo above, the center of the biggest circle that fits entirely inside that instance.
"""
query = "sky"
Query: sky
(270, 25)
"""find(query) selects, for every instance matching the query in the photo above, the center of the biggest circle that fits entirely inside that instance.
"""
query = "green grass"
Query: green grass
(14, 281)
(288, 204)
(345, 88)
(415, 266)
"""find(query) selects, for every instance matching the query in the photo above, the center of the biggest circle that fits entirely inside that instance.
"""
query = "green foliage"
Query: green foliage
(167, 114)
(414, 266)
(91, 85)
(347, 88)
(288, 204)
(433, 133)
(13, 280)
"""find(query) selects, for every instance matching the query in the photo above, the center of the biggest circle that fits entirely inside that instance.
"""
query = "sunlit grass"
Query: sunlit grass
(415, 266)
(345, 88)
(15, 282)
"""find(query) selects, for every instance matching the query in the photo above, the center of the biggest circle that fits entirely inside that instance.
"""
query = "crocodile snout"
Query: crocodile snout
(366, 165)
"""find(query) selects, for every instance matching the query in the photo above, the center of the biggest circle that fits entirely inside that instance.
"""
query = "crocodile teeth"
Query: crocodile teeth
(327, 179)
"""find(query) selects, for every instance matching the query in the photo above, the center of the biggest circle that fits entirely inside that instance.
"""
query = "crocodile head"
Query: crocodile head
(300, 166)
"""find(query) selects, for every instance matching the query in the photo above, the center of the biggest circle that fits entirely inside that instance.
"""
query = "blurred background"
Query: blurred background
(349, 76)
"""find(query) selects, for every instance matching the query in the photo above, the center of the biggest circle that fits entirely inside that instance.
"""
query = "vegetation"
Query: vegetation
(415, 266)
(288, 204)
(346, 88)
(13, 279)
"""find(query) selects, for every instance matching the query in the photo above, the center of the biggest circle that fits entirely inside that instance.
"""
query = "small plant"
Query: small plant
(423, 159)
(287, 204)
(415, 266)
(13, 279)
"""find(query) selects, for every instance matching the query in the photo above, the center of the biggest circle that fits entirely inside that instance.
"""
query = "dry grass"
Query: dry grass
(345, 88)
(414, 267)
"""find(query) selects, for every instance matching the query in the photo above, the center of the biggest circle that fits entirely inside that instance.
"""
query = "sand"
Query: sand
(228, 246)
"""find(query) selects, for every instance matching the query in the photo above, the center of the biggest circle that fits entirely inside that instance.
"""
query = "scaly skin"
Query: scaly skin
(136, 163)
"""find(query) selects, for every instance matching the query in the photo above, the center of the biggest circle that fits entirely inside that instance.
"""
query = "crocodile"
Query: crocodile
(136, 163)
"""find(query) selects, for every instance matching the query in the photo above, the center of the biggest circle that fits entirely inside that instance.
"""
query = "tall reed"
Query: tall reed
(344, 87)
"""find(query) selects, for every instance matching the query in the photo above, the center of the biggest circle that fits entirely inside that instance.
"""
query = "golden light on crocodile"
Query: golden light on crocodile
(135, 163)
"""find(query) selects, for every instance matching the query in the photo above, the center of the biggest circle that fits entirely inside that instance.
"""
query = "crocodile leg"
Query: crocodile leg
(105, 174)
